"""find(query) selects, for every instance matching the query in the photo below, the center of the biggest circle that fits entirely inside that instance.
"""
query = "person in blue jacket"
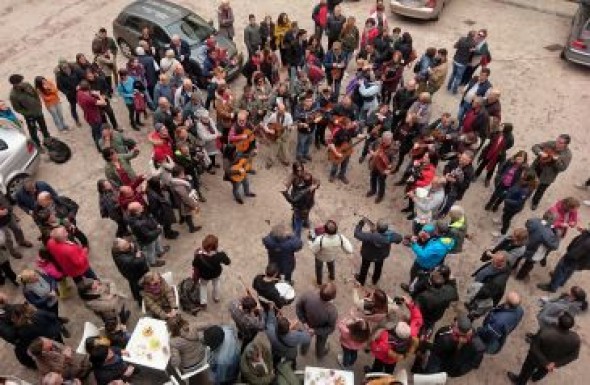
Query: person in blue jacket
(281, 246)
(431, 246)
(26, 195)
(126, 89)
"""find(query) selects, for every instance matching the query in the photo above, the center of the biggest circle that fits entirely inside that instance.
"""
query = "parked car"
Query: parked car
(166, 19)
(419, 9)
(19, 157)
(577, 47)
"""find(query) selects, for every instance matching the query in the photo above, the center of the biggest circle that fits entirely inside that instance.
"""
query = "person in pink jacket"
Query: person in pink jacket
(354, 335)
(70, 257)
(566, 214)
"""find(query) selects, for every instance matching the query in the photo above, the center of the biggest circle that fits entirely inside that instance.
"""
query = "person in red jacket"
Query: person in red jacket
(71, 258)
(320, 18)
(395, 342)
(162, 143)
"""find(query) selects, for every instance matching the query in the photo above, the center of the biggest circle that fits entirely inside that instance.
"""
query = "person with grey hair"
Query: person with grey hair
(370, 89)
(375, 247)
(168, 63)
(278, 125)
(208, 133)
(543, 238)
(382, 155)
(181, 50)
(281, 246)
(151, 69)
(426, 207)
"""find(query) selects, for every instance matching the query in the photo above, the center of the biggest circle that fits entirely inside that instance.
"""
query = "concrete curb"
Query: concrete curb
(535, 6)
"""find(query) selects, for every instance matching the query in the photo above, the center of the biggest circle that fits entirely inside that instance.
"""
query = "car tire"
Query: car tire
(13, 186)
(125, 48)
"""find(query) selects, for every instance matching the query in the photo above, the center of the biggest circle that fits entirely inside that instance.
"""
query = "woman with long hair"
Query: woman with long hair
(282, 26)
(495, 152)
(516, 198)
(49, 93)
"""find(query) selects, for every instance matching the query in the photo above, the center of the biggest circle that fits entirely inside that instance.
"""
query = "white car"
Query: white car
(19, 157)
(419, 9)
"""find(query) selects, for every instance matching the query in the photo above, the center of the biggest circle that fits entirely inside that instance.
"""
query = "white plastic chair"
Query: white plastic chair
(401, 376)
(430, 379)
(168, 277)
(90, 330)
(203, 365)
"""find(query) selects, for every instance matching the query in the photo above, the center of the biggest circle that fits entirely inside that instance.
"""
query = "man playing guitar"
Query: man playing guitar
(305, 116)
(340, 146)
(241, 135)
(381, 158)
(324, 102)
(235, 166)
(377, 123)
(277, 126)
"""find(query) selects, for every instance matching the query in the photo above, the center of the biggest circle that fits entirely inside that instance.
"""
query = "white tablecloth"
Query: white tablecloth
(324, 376)
(153, 351)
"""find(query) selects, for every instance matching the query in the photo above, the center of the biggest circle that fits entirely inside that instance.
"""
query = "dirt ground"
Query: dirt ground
(541, 95)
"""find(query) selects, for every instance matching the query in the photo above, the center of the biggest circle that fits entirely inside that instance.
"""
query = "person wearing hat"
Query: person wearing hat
(455, 350)
(430, 246)
(552, 347)
(375, 247)
(395, 341)
(225, 353)
(26, 101)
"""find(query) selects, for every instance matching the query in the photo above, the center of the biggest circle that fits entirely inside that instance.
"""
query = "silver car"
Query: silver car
(419, 9)
(577, 49)
(19, 158)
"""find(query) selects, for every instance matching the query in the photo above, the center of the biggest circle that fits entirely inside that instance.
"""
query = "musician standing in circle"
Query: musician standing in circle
(340, 147)
(304, 115)
(235, 167)
(381, 158)
(552, 158)
(377, 122)
(277, 126)
(241, 135)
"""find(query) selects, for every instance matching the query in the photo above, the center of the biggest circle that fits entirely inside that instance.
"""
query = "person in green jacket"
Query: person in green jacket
(26, 101)
(118, 168)
(256, 365)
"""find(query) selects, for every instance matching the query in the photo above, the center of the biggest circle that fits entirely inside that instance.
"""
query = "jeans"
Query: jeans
(348, 357)
(152, 250)
(319, 270)
(203, 283)
(74, 110)
(539, 192)
(303, 143)
(298, 221)
(365, 264)
(96, 131)
(32, 123)
(456, 76)
(57, 115)
(236, 188)
(378, 183)
(531, 369)
(563, 271)
(343, 166)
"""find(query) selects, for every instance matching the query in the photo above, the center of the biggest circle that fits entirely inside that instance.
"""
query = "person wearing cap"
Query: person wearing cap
(576, 258)
(26, 101)
(375, 247)
(551, 348)
(225, 353)
(430, 247)
(316, 310)
(394, 342)
(500, 322)
(456, 349)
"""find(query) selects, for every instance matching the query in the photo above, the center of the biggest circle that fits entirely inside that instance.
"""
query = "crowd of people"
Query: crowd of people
(295, 83)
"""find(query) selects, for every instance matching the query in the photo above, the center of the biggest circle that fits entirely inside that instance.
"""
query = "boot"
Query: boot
(191, 225)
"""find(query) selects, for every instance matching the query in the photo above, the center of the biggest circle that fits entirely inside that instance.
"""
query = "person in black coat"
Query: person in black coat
(509, 174)
(109, 207)
(160, 206)
(552, 347)
(182, 51)
(459, 174)
(147, 232)
(108, 365)
(436, 299)
(491, 278)
(281, 247)
(151, 74)
(131, 263)
(67, 79)
(576, 258)
(375, 247)
(495, 152)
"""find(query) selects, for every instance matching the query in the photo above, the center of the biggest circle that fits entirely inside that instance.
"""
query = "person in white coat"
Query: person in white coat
(327, 247)
(208, 133)
(426, 206)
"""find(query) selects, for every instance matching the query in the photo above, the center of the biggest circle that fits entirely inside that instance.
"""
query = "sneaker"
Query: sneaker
(545, 287)
(344, 179)
(339, 358)
(158, 263)
(370, 193)
(497, 221)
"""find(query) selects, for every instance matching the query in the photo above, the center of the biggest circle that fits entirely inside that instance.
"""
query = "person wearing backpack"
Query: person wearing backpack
(326, 247)
(500, 322)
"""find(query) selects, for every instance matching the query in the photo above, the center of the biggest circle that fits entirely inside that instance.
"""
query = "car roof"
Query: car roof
(157, 11)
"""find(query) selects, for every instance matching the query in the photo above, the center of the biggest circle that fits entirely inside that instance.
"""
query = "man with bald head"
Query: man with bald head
(181, 50)
(282, 121)
(183, 94)
(62, 208)
(71, 257)
(147, 232)
(500, 322)
(489, 285)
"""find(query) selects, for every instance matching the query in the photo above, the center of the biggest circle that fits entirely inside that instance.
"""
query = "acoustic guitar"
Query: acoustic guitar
(345, 149)
(245, 145)
(278, 131)
(238, 171)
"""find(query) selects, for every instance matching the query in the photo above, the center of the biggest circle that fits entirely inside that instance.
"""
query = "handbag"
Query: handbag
(139, 102)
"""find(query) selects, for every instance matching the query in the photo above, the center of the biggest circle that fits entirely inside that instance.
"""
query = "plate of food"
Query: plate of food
(324, 377)
(147, 331)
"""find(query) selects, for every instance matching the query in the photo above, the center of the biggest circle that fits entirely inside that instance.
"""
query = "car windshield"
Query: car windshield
(194, 27)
